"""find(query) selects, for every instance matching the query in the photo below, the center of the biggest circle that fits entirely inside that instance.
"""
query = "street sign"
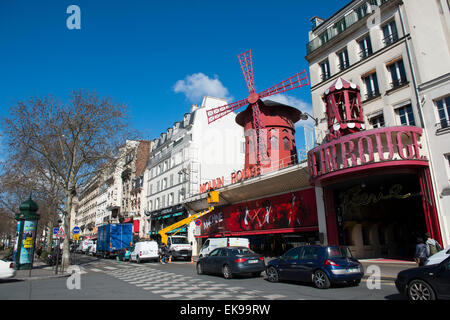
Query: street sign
(76, 230)
(60, 233)
(55, 230)
(198, 222)
(76, 236)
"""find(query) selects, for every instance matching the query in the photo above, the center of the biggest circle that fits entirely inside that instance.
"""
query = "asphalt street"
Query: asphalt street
(102, 279)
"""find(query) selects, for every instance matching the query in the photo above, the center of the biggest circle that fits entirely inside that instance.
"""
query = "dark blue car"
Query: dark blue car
(322, 265)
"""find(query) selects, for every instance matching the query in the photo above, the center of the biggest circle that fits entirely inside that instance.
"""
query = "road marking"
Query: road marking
(170, 296)
(274, 296)
(96, 270)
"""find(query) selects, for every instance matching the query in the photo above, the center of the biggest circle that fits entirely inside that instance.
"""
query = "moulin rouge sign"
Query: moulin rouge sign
(376, 146)
(236, 177)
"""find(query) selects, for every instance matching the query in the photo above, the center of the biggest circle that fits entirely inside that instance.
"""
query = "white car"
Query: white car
(7, 269)
(438, 257)
(144, 250)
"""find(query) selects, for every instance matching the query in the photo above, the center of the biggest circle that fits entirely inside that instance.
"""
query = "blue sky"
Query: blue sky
(158, 57)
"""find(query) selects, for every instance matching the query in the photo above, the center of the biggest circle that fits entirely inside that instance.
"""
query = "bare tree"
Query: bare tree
(69, 142)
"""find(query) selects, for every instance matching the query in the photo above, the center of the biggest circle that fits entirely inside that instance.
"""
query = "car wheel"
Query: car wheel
(272, 274)
(321, 280)
(226, 271)
(420, 290)
(199, 268)
(138, 260)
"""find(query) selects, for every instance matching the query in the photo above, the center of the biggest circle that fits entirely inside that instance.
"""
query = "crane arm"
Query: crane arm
(163, 232)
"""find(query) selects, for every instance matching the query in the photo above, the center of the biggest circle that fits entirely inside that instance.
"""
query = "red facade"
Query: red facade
(290, 212)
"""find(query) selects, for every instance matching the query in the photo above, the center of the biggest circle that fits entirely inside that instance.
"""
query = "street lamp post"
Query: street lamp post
(27, 221)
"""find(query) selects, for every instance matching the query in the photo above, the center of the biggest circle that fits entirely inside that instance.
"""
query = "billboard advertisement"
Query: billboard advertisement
(290, 210)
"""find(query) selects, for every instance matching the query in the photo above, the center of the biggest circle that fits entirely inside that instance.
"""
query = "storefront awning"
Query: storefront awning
(282, 181)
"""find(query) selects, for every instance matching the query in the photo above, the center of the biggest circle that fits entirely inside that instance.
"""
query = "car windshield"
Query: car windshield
(339, 252)
(242, 251)
(179, 241)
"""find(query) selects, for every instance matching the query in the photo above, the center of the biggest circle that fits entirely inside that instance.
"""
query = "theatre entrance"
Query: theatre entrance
(380, 215)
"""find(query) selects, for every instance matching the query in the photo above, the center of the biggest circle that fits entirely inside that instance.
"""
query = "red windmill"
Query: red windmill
(245, 60)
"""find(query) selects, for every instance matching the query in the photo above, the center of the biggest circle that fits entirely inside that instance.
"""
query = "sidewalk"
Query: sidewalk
(389, 267)
(40, 271)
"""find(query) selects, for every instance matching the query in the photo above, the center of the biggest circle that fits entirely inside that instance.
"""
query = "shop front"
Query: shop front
(161, 219)
(376, 184)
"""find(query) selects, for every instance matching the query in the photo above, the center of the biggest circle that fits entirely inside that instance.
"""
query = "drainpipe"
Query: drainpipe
(419, 108)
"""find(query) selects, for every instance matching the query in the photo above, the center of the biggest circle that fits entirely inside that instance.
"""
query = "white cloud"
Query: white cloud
(301, 105)
(197, 85)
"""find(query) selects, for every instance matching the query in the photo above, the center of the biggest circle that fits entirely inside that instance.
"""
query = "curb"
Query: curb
(41, 277)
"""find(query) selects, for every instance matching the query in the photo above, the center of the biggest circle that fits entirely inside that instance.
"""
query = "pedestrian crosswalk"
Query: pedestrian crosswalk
(170, 285)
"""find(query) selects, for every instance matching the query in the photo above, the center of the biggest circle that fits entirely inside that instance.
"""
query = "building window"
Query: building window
(325, 68)
(397, 72)
(390, 33)
(377, 121)
(343, 59)
(274, 139)
(371, 83)
(443, 108)
(406, 115)
(286, 143)
(365, 45)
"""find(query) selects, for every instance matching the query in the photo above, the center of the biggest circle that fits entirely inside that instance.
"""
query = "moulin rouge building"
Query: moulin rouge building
(270, 202)
(375, 184)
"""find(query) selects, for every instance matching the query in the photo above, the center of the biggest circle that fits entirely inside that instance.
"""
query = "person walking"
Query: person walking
(432, 245)
(164, 252)
(421, 254)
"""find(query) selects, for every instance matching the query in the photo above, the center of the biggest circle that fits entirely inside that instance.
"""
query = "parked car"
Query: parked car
(230, 261)
(144, 250)
(7, 269)
(322, 265)
(438, 257)
(213, 243)
(124, 254)
(429, 282)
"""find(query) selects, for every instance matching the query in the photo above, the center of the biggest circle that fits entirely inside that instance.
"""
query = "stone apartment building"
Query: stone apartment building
(397, 53)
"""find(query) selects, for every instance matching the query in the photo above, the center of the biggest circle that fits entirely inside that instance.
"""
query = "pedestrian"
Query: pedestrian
(163, 252)
(432, 245)
(421, 254)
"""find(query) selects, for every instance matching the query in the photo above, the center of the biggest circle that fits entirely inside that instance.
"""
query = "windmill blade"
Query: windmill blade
(219, 112)
(297, 81)
(245, 60)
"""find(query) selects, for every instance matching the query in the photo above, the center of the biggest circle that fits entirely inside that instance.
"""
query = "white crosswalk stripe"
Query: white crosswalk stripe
(170, 285)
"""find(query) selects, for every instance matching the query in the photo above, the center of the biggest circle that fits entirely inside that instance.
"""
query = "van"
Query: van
(213, 243)
(85, 245)
(144, 251)
(179, 247)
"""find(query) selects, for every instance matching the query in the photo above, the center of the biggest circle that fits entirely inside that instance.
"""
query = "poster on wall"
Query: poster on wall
(290, 210)
(26, 252)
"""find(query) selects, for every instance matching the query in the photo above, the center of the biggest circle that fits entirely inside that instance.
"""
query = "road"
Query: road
(103, 279)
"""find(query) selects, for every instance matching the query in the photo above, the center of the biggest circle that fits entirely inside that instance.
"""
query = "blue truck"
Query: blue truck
(111, 238)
